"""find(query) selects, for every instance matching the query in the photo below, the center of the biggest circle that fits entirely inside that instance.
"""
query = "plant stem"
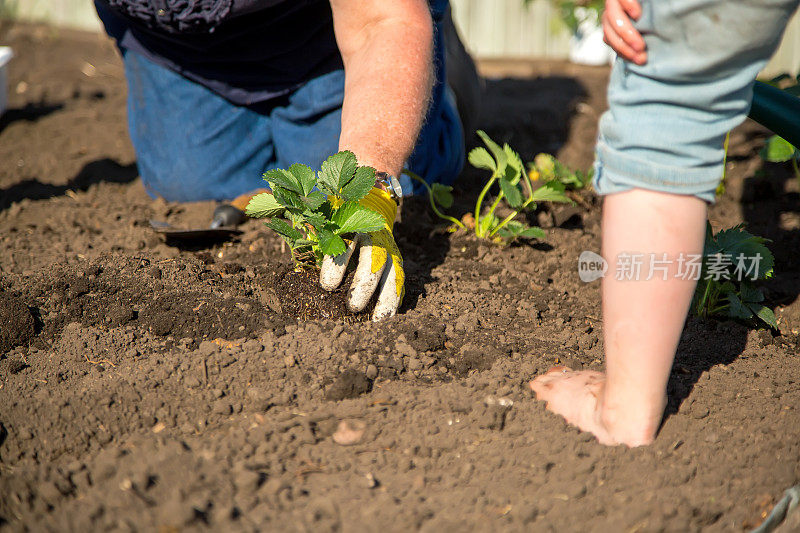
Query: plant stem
(511, 217)
(432, 201)
(479, 203)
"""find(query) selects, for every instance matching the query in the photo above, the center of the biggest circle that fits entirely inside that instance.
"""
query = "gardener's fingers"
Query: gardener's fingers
(619, 33)
(334, 268)
(371, 263)
(389, 295)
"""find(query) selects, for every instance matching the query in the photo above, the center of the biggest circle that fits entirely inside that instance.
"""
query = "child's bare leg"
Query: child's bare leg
(642, 321)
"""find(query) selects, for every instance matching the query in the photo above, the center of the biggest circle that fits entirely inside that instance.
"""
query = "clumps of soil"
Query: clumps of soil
(297, 293)
(17, 326)
(350, 384)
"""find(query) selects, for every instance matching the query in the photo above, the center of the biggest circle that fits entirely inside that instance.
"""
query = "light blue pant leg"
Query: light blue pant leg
(667, 120)
(191, 144)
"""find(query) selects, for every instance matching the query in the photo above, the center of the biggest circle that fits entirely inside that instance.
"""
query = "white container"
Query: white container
(5, 55)
(587, 46)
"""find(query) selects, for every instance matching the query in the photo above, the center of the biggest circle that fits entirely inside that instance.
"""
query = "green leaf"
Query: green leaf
(282, 228)
(282, 178)
(287, 198)
(514, 160)
(305, 176)
(317, 220)
(512, 193)
(533, 233)
(263, 205)
(552, 191)
(337, 170)
(737, 242)
(749, 293)
(354, 218)
(777, 150)
(487, 223)
(330, 244)
(736, 309)
(765, 314)
(442, 194)
(511, 230)
(358, 187)
(498, 153)
(480, 158)
(313, 200)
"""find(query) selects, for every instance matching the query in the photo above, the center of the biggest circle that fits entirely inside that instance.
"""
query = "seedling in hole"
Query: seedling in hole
(508, 173)
(315, 223)
(729, 296)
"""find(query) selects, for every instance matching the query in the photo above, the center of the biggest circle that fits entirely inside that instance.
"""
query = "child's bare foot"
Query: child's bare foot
(578, 397)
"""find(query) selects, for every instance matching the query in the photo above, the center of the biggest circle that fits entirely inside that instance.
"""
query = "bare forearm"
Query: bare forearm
(388, 79)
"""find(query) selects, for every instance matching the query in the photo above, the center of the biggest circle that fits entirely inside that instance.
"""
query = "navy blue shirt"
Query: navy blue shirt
(248, 51)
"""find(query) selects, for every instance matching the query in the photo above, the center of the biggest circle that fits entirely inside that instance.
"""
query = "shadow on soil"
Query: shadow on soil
(30, 113)
(102, 170)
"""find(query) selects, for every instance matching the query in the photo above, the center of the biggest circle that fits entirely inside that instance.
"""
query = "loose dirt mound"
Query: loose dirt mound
(16, 323)
(168, 388)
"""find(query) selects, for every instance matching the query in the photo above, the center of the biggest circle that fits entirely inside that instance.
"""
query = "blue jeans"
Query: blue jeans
(667, 120)
(191, 144)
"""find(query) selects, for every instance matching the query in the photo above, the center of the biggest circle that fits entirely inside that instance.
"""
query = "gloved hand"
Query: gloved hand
(380, 265)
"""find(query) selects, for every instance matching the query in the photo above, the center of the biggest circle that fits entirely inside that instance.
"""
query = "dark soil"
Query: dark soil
(146, 387)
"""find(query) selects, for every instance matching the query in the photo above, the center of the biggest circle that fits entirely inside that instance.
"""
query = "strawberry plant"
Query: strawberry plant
(733, 260)
(315, 211)
(546, 167)
(513, 186)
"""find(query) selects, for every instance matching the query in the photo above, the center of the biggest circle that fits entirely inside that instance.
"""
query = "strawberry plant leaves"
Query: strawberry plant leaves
(487, 223)
(305, 177)
(337, 170)
(357, 188)
(511, 192)
(514, 159)
(765, 314)
(533, 232)
(443, 194)
(287, 198)
(742, 245)
(737, 309)
(480, 158)
(552, 191)
(282, 178)
(354, 218)
(498, 153)
(750, 293)
(313, 200)
(263, 205)
(778, 150)
(330, 244)
(282, 228)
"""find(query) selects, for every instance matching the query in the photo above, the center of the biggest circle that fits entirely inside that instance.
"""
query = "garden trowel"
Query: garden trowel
(223, 223)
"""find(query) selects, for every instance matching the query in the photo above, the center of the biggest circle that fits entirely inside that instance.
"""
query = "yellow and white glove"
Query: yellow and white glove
(380, 265)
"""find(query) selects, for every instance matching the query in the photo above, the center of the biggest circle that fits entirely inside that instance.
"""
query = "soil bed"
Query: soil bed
(145, 386)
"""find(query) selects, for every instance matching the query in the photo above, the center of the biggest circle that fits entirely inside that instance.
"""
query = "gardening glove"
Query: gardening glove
(380, 265)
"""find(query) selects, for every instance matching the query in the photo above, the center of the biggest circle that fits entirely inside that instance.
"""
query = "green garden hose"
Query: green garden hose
(777, 110)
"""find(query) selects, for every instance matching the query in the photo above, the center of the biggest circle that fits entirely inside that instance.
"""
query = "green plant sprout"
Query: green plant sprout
(721, 291)
(314, 223)
(546, 167)
(508, 172)
(720, 190)
(779, 150)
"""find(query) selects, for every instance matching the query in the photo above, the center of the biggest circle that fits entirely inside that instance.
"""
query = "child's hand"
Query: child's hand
(619, 32)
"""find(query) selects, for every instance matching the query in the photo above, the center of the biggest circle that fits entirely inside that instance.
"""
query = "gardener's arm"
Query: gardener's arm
(387, 51)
